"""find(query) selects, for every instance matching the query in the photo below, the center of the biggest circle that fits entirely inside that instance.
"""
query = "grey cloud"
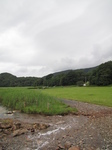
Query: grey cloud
(44, 36)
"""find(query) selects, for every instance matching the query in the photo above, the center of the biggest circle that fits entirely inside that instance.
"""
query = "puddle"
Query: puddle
(3, 111)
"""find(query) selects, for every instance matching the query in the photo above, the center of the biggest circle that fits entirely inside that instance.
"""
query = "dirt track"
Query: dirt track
(91, 129)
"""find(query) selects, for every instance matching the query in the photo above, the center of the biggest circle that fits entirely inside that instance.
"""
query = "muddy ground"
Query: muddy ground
(90, 129)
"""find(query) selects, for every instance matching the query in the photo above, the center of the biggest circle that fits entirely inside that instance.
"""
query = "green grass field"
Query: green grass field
(32, 101)
(45, 101)
(94, 95)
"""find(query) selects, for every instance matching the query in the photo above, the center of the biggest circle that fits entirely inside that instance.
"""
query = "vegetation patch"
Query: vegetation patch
(33, 101)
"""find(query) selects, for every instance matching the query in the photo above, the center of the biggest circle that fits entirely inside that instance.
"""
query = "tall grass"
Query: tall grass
(32, 101)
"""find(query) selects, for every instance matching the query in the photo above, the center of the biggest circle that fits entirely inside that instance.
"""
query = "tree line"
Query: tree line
(9, 80)
(100, 76)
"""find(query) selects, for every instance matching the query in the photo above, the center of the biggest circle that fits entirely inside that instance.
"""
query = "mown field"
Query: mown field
(94, 95)
(32, 101)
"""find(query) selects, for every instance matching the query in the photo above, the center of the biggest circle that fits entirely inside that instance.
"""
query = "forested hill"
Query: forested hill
(100, 75)
(86, 70)
(9, 80)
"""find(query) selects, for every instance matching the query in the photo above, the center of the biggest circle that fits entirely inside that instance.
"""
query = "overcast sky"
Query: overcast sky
(38, 37)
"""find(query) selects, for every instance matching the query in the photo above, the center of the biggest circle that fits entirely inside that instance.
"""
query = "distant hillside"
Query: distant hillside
(67, 77)
(100, 75)
(9, 80)
(86, 70)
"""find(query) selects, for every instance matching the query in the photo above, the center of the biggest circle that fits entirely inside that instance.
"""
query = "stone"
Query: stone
(22, 131)
(39, 142)
(40, 126)
(60, 146)
(67, 144)
(74, 148)
(13, 127)
(32, 130)
(9, 112)
(0, 130)
(60, 122)
(5, 125)
(18, 125)
(64, 136)
(6, 131)
(15, 133)
(43, 126)
(19, 132)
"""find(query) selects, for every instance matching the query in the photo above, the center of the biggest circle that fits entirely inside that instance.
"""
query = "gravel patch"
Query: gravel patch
(88, 109)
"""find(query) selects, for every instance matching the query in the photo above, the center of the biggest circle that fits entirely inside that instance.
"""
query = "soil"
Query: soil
(90, 129)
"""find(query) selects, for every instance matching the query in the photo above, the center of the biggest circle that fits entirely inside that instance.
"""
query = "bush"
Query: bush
(80, 83)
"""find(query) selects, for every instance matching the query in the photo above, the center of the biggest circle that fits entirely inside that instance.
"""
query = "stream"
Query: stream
(92, 130)
(60, 126)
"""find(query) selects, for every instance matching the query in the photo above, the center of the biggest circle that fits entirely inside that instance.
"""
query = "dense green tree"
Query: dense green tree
(7, 80)
(80, 83)
(102, 75)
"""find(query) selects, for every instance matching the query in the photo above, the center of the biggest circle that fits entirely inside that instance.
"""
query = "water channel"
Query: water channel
(59, 125)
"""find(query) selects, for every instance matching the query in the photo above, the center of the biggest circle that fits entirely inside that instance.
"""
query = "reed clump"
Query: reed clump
(33, 101)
